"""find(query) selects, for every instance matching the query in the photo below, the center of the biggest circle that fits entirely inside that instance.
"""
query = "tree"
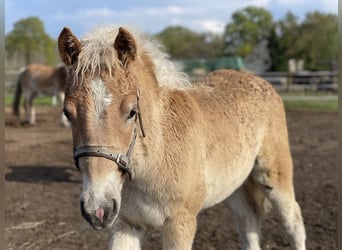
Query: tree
(182, 43)
(281, 42)
(314, 40)
(317, 42)
(29, 39)
(248, 28)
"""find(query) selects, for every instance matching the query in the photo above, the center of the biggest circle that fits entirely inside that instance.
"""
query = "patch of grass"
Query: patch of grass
(39, 101)
(327, 105)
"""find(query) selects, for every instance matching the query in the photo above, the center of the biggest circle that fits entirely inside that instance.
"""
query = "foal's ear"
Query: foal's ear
(125, 46)
(69, 47)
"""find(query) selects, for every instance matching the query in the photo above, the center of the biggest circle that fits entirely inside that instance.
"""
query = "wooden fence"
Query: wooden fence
(283, 81)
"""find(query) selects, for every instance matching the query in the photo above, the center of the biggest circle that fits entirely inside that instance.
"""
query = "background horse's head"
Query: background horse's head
(101, 104)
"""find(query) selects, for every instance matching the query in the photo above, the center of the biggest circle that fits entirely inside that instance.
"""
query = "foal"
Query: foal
(155, 151)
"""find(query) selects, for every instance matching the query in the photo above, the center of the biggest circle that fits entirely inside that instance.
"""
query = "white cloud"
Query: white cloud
(86, 19)
(175, 10)
(85, 14)
(330, 6)
(214, 26)
(260, 3)
(290, 2)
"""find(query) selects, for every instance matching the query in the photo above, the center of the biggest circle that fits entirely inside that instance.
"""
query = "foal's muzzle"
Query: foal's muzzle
(101, 217)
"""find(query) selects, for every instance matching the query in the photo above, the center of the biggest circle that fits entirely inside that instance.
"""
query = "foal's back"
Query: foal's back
(241, 102)
(234, 92)
(237, 104)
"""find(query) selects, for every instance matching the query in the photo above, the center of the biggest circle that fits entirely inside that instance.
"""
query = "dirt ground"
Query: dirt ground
(43, 186)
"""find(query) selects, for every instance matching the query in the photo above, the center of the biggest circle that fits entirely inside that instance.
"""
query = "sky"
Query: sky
(150, 16)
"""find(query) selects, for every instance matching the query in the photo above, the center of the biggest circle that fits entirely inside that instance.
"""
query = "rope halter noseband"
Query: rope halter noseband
(122, 160)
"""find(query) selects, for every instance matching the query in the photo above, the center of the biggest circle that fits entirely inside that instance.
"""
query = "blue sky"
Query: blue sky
(149, 16)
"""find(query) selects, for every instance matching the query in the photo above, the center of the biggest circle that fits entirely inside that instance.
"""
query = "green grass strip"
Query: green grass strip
(326, 105)
(39, 101)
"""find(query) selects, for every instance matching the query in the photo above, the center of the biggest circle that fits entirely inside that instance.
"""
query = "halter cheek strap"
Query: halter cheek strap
(121, 160)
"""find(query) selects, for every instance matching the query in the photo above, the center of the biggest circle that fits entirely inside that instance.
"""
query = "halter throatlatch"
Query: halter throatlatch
(122, 160)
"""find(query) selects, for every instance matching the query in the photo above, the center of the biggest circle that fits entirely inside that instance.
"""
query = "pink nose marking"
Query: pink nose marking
(99, 213)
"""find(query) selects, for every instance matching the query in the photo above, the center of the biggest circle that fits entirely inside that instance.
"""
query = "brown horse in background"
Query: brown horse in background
(38, 79)
(184, 147)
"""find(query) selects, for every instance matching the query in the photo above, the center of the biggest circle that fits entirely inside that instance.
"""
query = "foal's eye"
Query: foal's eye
(67, 114)
(131, 114)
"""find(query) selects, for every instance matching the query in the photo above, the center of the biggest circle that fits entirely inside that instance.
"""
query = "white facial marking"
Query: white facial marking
(102, 97)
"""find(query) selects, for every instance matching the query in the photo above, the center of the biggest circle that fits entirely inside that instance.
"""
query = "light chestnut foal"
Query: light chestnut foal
(39, 79)
(182, 147)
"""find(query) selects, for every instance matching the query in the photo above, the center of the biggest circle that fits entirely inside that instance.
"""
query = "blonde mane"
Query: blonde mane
(98, 54)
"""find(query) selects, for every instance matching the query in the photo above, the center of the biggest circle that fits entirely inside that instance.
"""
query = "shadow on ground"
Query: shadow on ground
(42, 174)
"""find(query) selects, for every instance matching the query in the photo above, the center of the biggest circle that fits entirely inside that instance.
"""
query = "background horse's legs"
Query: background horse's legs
(124, 237)
(27, 110)
(247, 217)
(33, 110)
(63, 120)
(54, 100)
(30, 110)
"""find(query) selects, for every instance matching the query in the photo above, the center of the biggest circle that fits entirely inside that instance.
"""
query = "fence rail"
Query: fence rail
(311, 80)
(307, 80)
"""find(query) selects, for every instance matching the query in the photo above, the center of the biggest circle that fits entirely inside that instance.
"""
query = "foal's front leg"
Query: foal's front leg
(125, 236)
(179, 232)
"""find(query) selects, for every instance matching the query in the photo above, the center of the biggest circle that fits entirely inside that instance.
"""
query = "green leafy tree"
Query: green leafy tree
(29, 39)
(183, 43)
(248, 28)
(317, 41)
(314, 40)
(281, 42)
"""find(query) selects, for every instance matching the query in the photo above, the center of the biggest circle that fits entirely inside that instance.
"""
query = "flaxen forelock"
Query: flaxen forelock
(98, 55)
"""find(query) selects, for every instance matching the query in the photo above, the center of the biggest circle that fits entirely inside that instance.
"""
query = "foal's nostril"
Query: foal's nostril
(111, 209)
(84, 213)
(114, 207)
(102, 216)
(82, 208)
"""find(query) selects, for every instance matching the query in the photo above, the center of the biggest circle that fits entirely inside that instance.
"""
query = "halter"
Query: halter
(122, 160)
